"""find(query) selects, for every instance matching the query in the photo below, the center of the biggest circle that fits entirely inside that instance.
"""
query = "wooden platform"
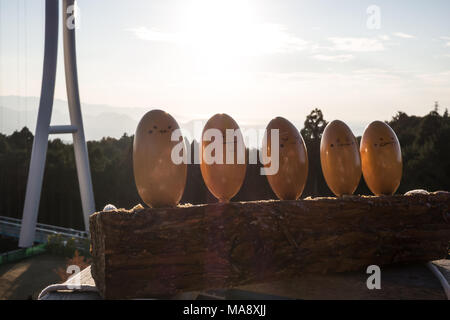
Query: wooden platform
(163, 252)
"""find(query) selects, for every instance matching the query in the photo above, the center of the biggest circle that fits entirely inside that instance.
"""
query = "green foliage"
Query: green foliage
(425, 143)
(312, 133)
(59, 245)
(314, 126)
(111, 170)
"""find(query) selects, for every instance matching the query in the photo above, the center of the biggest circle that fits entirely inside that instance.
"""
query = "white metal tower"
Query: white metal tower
(43, 127)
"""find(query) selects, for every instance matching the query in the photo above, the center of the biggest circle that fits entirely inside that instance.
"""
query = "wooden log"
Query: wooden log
(161, 252)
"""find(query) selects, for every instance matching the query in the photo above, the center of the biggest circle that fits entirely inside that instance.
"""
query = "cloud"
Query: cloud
(446, 40)
(437, 78)
(334, 58)
(384, 37)
(378, 74)
(248, 40)
(439, 56)
(403, 35)
(153, 34)
(356, 44)
(355, 76)
(276, 36)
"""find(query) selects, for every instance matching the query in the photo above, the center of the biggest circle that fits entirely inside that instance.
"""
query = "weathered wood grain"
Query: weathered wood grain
(161, 252)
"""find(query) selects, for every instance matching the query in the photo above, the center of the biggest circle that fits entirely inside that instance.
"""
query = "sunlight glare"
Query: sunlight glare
(223, 30)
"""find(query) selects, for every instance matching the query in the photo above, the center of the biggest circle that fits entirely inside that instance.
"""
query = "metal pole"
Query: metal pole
(79, 142)
(40, 143)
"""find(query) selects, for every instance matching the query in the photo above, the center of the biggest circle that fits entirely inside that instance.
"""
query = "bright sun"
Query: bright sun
(227, 29)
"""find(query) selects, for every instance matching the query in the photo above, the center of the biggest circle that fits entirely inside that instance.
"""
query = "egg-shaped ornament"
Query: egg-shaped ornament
(381, 157)
(340, 159)
(223, 157)
(285, 159)
(159, 160)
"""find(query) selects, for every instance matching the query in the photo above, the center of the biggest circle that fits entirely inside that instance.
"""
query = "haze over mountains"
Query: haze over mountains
(99, 120)
(107, 121)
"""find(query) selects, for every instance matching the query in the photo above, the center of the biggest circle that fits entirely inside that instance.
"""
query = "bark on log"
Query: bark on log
(161, 252)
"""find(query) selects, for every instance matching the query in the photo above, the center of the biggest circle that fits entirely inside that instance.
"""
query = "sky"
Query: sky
(358, 61)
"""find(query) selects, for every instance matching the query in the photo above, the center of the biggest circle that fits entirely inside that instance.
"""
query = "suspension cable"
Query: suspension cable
(2, 129)
(18, 63)
(26, 59)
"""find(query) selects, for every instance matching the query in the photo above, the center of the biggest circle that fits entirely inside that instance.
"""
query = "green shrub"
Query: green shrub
(59, 245)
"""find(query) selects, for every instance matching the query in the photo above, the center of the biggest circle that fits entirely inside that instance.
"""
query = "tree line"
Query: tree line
(424, 140)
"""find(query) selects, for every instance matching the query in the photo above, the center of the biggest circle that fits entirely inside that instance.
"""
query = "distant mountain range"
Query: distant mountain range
(99, 120)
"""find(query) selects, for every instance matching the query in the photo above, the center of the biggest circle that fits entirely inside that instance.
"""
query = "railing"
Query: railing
(20, 254)
(11, 227)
